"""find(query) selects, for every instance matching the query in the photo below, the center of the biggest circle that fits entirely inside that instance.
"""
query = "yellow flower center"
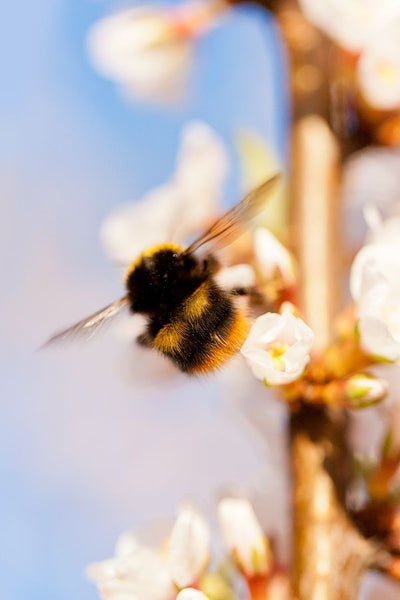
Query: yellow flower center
(276, 352)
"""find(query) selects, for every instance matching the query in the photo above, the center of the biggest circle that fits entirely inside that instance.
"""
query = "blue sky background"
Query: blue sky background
(84, 451)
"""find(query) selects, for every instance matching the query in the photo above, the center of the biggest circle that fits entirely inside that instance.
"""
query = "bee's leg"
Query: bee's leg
(144, 339)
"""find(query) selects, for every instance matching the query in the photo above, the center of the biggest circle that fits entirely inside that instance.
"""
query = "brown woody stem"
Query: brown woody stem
(329, 554)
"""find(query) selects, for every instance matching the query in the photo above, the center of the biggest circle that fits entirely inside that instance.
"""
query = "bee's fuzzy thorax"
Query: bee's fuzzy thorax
(175, 248)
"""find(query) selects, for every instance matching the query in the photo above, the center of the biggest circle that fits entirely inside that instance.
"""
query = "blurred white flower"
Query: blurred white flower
(189, 547)
(278, 348)
(238, 276)
(375, 287)
(126, 544)
(201, 171)
(371, 177)
(379, 66)
(177, 209)
(191, 594)
(142, 49)
(371, 261)
(364, 390)
(378, 311)
(132, 227)
(140, 572)
(243, 536)
(148, 50)
(272, 256)
(381, 231)
(350, 23)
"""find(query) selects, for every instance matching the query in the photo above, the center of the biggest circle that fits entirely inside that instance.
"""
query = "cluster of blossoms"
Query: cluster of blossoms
(182, 567)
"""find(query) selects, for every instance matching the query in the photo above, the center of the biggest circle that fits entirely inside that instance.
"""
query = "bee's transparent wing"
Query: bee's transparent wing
(86, 328)
(229, 227)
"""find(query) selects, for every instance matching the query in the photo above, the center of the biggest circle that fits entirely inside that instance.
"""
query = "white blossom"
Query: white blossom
(364, 390)
(138, 572)
(243, 535)
(127, 543)
(371, 260)
(278, 348)
(188, 551)
(179, 208)
(132, 227)
(379, 66)
(382, 231)
(272, 256)
(351, 23)
(142, 49)
(237, 276)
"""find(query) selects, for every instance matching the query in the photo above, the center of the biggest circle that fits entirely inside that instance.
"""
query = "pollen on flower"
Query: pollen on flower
(278, 348)
(277, 352)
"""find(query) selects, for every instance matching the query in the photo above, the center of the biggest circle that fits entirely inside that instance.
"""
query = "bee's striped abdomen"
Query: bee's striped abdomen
(204, 332)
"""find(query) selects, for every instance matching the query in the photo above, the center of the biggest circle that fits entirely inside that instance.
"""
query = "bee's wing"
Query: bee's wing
(229, 227)
(87, 327)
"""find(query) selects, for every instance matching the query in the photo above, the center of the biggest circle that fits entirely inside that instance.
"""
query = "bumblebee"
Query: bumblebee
(190, 318)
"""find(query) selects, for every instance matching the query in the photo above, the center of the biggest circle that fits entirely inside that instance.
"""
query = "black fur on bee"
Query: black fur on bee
(190, 318)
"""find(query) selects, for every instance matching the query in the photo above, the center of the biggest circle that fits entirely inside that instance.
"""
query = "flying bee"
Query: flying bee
(189, 317)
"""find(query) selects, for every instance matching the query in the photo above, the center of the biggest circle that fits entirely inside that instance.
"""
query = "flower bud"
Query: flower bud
(243, 536)
(188, 552)
(364, 390)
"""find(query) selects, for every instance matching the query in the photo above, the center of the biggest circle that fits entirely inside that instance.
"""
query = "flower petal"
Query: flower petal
(238, 276)
(127, 543)
(188, 547)
(106, 569)
(141, 49)
(243, 535)
(377, 340)
(179, 208)
(132, 227)
(141, 574)
(271, 255)
(278, 348)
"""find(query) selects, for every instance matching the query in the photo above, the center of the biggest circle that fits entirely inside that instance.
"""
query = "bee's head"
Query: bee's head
(163, 276)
